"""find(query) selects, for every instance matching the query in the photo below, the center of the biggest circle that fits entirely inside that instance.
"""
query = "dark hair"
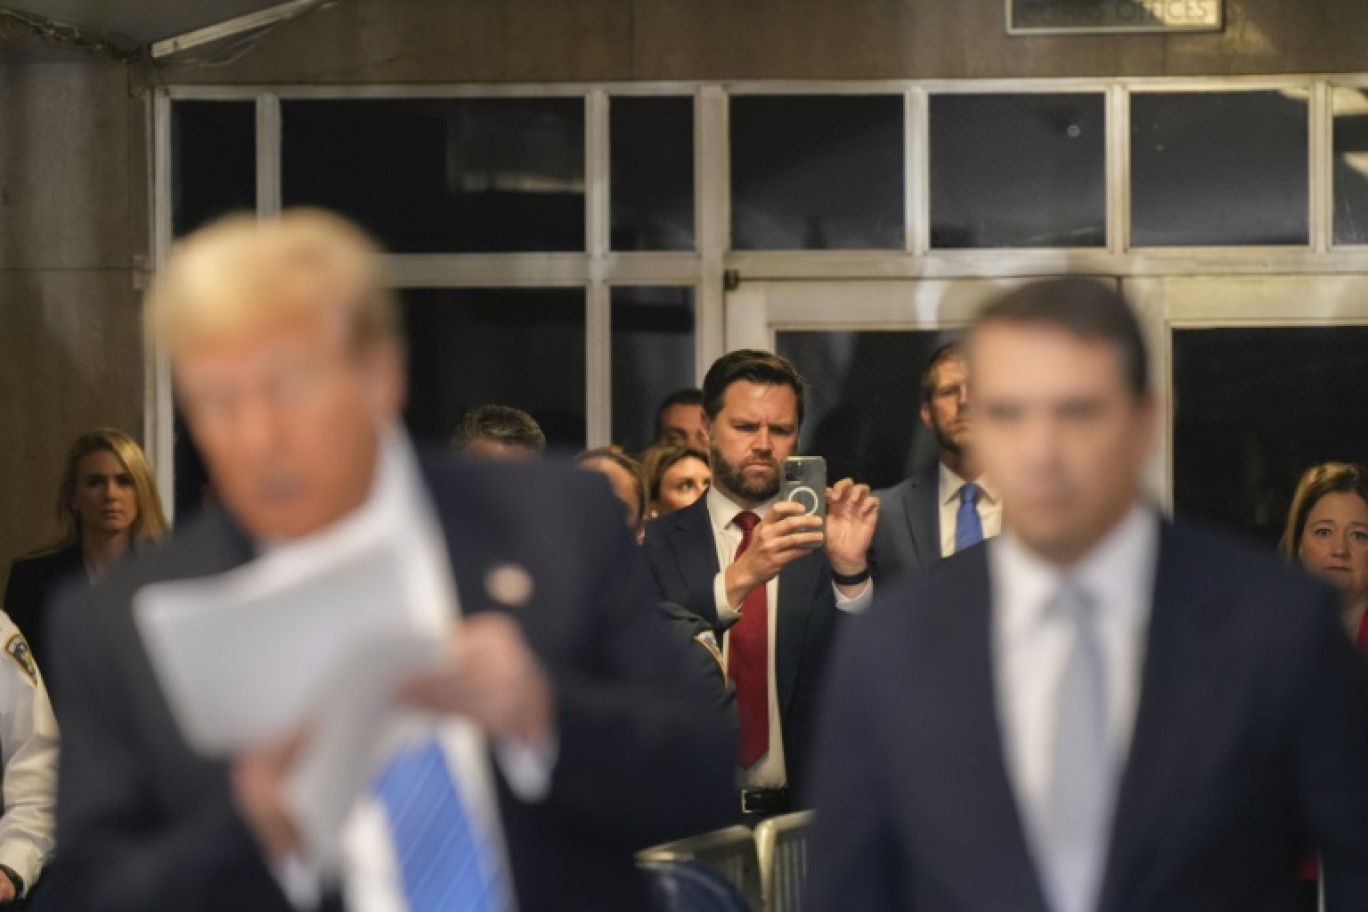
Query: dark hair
(656, 461)
(761, 367)
(620, 459)
(1084, 307)
(1316, 482)
(502, 423)
(678, 397)
(948, 352)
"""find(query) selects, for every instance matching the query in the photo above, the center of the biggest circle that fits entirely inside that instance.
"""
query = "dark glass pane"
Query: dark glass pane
(864, 401)
(428, 176)
(817, 172)
(511, 346)
(653, 355)
(1018, 171)
(1218, 169)
(1254, 408)
(1351, 166)
(213, 161)
(652, 173)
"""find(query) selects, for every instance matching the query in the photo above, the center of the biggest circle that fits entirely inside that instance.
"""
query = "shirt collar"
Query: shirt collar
(722, 509)
(950, 484)
(1118, 573)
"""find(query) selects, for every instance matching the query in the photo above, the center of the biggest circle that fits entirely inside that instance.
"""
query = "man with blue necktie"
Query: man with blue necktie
(563, 731)
(951, 506)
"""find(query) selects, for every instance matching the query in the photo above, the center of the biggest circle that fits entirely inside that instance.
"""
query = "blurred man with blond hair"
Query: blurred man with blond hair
(561, 734)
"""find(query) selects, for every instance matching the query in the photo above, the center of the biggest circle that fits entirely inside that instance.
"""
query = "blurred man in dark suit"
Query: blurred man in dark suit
(563, 733)
(951, 506)
(758, 568)
(1098, 710)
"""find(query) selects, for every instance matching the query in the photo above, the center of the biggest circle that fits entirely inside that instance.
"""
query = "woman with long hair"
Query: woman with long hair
(1327, 534)
(107, 504)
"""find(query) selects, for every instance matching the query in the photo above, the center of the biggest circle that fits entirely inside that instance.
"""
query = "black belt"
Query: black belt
(767, 802)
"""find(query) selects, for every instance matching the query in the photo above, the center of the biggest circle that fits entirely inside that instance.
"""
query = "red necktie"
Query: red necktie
(748, 660)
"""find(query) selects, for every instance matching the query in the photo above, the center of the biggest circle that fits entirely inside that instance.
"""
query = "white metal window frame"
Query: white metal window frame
(598, 268)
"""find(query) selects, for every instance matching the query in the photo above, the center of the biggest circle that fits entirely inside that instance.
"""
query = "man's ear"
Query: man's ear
(386, 380)
(926, 416)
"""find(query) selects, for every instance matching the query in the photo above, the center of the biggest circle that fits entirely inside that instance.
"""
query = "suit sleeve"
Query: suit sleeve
(696, 595)
(853, 862)
(1333, 757)
(643, 750)
(121, 848)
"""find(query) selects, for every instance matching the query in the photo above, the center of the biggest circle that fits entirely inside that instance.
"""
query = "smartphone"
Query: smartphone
(803, 481)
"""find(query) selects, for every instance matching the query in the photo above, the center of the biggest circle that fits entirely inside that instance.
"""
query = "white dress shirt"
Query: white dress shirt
(28, 750)
(1031, 645)
(989, 507)
(399, 513)
(769, 771)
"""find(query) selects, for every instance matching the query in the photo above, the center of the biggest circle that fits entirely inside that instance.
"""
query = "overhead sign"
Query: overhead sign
(1073, 17)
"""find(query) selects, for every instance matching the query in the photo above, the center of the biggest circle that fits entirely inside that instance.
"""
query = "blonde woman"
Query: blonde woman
(1327, 534)
(107, 503)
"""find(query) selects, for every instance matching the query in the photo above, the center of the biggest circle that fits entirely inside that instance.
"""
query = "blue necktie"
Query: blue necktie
(443, 863)
(968, 526)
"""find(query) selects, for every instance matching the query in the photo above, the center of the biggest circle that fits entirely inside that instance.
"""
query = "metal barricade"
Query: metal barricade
(730, 852)
(781, 848)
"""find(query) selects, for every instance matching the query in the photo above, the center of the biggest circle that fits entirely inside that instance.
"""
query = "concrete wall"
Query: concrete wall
(71, 151)
(400, 41)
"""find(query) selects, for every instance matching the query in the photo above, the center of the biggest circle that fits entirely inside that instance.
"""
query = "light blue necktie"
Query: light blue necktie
(1078, 804)
(968, 526)
(443, 862)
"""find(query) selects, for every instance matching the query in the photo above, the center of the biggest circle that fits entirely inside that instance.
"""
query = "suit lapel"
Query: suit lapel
(798, 584)
(923, 516)
(1177, 685)
(695, 549)
(973, 742)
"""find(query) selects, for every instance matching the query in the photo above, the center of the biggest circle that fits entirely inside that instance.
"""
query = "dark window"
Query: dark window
(213, 161)
(1351, 166)
(518, 347)
(864, 401)
(1018, 171)
(817, 172)
(1219, 169)
(428, 176)
(652, 183)
(1257, 407)
(653, 355)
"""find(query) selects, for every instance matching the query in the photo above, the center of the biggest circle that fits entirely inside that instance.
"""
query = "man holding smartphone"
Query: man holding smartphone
(767, 571)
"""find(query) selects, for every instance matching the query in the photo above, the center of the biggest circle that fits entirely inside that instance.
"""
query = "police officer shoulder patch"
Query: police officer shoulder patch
(18, 649)
(708, 640)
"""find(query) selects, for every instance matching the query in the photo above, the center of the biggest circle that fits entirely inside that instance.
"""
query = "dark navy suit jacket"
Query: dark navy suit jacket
(1250, 744)
(907, 538)
(144, 824)
(682, 554)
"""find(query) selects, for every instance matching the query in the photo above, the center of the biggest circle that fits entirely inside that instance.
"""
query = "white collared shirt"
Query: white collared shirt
(1031, 645)
(769, 771)
(989, 507)
(398, 511)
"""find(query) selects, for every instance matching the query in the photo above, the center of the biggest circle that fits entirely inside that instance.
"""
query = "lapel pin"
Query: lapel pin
(509, 585)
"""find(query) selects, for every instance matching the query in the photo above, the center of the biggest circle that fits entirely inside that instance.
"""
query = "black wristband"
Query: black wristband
(15, 879)
(852, 580)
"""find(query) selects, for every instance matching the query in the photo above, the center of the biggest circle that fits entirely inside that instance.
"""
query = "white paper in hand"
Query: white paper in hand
(245, 657)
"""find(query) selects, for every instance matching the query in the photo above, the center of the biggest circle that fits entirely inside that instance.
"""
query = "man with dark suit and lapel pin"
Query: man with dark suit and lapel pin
(1097, 710)
(764, 572)
(565, 731)
(951, 506)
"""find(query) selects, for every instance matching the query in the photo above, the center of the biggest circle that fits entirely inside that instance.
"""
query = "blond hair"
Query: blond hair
(1316, 482)
(150, 523)
(242, 272)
